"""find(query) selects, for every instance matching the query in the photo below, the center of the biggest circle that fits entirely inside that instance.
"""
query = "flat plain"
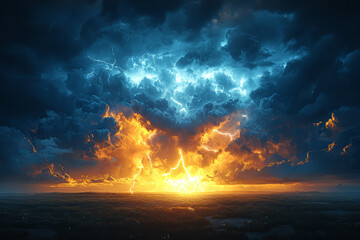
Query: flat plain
(311, 215)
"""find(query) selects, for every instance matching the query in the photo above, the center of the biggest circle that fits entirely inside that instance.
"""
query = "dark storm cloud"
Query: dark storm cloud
(132, 10)
(26, 160)
(63, 63)
(246, 48)
(37, 37)
(204, 56)
(309, 89)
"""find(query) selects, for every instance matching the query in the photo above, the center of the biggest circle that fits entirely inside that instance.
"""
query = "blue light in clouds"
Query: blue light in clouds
(189, 74)
(181, 85)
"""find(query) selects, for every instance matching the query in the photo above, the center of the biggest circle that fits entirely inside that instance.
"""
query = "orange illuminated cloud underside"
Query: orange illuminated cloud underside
(140, 157)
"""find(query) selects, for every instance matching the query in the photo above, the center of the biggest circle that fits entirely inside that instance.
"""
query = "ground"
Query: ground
(173, 216)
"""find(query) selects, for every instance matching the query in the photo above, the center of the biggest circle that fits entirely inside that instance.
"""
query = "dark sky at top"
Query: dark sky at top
(181, 65)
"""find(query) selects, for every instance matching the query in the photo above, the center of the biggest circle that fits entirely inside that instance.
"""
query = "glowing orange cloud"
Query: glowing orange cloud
(331, 146)
(317, 124)
(186, 184)
(144, 158)
(331, 123)
(33, 148)
(346, 148)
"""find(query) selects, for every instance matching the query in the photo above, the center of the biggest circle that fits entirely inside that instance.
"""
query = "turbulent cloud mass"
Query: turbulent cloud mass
(179, 95)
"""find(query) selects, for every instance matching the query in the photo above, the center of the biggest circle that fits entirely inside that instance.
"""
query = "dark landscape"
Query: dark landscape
(175, 216)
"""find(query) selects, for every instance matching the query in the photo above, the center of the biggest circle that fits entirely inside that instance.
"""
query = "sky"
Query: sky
(180, 96)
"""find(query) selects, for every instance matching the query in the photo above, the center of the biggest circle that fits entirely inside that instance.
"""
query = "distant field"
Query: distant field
(172, 216)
